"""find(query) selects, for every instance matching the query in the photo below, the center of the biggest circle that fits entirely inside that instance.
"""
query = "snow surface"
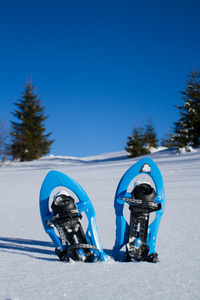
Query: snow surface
(31, 270)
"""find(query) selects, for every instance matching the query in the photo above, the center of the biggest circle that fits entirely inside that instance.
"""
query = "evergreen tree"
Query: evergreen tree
(167, 140)
(187, 129)
(150, 136)
(28, 139)
(135, 144)
(4, 136)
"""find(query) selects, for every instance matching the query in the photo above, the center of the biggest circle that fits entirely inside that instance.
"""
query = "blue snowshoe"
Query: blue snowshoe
(139, 236)
(71, 242)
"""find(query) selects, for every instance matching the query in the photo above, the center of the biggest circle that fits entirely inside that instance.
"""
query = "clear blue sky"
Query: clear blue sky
(101, 67)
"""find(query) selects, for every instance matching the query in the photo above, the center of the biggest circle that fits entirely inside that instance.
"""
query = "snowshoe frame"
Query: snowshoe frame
(144, 166)
(56, 179)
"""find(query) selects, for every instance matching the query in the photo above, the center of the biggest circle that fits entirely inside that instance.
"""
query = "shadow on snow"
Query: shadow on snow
(30, 247)
(26, 247)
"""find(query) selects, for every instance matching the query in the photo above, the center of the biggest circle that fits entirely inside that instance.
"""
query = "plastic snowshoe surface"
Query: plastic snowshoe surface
(56, 179)
(143, 199)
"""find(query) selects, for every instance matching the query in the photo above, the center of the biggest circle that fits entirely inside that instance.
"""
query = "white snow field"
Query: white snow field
(31, 270)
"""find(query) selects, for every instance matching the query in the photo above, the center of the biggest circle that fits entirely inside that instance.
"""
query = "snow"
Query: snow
(31, 270)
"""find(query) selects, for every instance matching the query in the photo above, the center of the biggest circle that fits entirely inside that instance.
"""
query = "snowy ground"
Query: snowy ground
(31, 270)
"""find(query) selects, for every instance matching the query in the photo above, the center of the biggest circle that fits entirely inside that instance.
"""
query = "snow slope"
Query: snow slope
(31, 270)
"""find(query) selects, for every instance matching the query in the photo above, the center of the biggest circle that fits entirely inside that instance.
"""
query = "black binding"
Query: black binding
(141, 204)
(67, 219)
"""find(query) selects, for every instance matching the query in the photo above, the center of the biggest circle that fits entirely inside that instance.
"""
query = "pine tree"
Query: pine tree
(187, 129)
(28, 139)
(135, 144)
(150, 136)
(4, 136)
(167, 140)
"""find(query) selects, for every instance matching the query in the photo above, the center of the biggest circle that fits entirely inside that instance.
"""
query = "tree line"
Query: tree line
(186, 131)
(27, 139)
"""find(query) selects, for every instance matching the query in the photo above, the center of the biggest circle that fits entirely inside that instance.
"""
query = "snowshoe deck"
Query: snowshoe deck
(138, 235)
(66, 216)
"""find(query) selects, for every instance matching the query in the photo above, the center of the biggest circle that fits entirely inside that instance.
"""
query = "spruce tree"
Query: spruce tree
(28, 140)
(135, 144)
(187, 129)
(167, 140)
(4, 144)
(150, 136)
